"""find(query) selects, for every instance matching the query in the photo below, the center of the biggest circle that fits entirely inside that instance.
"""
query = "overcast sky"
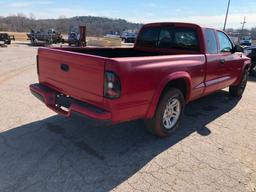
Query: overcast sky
(204, 12)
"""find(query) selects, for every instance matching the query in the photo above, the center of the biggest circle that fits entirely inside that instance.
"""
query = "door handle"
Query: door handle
(222, 61)
(64, 67)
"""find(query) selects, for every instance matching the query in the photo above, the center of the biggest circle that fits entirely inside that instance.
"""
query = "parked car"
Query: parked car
(45, 37)
(5, 38)
(73, 39)
(246, 41)
(128, 37)
(251, 53)
(170, 65)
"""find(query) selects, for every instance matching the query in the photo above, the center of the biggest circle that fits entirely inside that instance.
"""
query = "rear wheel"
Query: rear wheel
(168, 115)
(238, 90)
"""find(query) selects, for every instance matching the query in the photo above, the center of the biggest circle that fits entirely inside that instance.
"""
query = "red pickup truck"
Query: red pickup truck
(170, 65)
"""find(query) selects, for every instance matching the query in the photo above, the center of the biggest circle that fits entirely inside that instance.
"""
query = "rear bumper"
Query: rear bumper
(66, 105)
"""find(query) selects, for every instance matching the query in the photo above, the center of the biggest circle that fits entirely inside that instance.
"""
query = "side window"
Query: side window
(211, 41)
(225, 43)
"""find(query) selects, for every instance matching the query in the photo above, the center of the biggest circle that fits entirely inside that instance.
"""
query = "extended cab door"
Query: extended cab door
(214, 68)
(231, 61)
(222, 64)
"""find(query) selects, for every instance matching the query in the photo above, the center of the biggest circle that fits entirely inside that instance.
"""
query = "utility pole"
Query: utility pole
(242, 31)
(243, 23)
(225, 23)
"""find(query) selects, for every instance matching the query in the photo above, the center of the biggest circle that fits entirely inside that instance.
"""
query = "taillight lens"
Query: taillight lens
(112, 85)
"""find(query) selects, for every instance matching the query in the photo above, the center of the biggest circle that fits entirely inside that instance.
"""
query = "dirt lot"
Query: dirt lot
(41, 151)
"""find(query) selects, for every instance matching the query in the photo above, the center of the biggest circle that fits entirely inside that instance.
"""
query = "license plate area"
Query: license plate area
(63, 101)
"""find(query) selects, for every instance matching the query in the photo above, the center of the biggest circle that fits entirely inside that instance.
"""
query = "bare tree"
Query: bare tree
(96, 26)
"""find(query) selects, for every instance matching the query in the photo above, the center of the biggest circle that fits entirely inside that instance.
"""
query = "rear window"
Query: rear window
(148, 37)
(169, 38)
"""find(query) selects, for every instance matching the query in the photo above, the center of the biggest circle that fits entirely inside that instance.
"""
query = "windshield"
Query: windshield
(169, 38)
(72, 35)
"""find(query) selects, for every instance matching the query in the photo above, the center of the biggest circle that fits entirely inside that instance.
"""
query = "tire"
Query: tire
(159, 125)
(238, 90)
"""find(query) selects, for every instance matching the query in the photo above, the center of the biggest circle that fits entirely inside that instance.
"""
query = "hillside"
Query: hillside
(96, 26)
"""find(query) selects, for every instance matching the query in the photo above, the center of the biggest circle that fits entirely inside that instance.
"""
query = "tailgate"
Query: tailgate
(77, 75)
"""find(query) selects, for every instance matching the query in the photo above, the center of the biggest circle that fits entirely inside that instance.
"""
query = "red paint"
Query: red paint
(142, 78)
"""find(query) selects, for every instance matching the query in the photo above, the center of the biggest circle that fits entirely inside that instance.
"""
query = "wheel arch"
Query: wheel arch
(246, 65)
(179, 80)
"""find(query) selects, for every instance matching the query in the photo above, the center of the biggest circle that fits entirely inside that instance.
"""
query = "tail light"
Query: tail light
(112, 85)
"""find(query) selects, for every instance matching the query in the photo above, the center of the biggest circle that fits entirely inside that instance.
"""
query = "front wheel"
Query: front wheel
(238, 90)
(168, 115)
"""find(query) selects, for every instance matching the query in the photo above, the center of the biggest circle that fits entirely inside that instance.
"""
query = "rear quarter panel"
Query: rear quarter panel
(144, 78)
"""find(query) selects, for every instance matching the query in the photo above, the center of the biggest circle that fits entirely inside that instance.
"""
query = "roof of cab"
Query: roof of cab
(179, 24)
(172, 23)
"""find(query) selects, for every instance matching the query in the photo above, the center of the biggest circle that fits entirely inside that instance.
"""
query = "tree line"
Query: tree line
(96, 26)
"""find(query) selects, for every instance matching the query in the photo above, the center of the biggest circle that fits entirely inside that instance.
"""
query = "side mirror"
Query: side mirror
(237, 48)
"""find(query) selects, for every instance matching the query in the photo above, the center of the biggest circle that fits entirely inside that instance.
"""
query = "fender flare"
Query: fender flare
(245, 65)
(171, 77)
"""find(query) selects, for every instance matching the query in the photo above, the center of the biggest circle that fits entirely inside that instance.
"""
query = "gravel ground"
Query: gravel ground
(41, 151)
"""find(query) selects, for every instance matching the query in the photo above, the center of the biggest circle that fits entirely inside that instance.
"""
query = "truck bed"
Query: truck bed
(79, 73)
